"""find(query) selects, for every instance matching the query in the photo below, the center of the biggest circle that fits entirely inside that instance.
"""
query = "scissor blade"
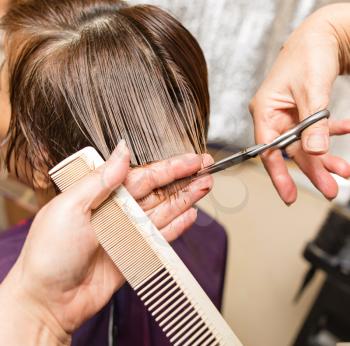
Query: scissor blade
(278, 143)
(232, 160)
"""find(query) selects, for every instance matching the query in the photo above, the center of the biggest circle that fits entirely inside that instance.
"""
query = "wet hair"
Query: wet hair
(91, 72)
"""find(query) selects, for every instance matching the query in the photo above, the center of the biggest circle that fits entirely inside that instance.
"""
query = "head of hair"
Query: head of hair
(93, 72)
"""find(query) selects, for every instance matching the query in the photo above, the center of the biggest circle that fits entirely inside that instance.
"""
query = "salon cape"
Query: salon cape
(124, 320)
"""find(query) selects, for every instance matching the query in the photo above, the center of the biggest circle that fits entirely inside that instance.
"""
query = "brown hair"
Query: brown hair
(91, 72)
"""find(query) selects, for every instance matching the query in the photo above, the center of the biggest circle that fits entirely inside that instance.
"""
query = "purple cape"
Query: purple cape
(124, 321)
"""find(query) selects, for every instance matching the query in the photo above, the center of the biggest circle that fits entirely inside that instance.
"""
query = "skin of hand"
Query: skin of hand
(298, 85)
(3, 6)
(62, 276)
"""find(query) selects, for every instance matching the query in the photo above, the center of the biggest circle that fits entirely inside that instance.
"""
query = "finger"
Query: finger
(178, 226)
(157, 197)
(281, 179)
(315, 138)
(339, 127)
(140, 182)
(93, 189)
(313, 168)
(275, 165)
(177, 204)
(207, 160)
(336, 165)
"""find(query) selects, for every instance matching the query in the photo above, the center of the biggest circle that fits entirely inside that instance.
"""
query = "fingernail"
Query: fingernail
(202, 184)
(207, 160)
(317, 142)
(196, 212)
(121, 150)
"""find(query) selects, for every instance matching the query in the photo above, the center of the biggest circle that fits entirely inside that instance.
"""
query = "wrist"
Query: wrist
(25, 322)
(335, 19)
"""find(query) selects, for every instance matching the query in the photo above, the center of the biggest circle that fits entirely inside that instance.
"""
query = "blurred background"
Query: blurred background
(267, 239)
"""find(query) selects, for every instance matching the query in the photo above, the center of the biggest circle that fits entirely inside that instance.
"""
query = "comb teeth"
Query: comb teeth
(148, 263)
(71, 173)
(136, 262)
(172, 309)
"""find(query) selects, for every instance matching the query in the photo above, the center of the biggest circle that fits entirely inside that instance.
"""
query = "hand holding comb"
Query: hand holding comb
(149, 264)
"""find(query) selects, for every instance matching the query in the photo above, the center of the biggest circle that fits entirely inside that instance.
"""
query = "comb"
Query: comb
(153, 269)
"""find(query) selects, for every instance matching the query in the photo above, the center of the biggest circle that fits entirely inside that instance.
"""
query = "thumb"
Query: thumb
(315, 139)
(93, 189)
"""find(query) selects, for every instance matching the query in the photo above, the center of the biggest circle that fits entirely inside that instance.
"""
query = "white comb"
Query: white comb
(148, 263)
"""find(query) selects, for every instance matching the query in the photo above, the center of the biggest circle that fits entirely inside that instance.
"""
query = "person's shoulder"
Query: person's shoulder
(11, 243)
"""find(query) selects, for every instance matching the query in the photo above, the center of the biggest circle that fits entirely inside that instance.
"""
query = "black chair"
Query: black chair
(328, 320)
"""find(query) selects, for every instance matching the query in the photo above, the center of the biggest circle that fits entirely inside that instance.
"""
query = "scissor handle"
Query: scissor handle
(280, 142)
(294, 134)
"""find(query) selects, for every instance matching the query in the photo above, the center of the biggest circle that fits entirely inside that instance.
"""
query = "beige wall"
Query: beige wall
(265, 266)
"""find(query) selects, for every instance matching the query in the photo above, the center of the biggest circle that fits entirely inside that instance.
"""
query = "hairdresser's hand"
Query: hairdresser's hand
(63, 276)
(299, 85)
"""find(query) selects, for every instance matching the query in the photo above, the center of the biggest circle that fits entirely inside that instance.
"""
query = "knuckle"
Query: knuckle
(254, 105)
(170, 169)
(151, 178)
(320, 127)
(97, 174)
(259, 106)
(141, 178)
(316, 99)
(251, 105)
(179, 202)
(131, 177)
(176, 204)
(293, 149)
(186, 199)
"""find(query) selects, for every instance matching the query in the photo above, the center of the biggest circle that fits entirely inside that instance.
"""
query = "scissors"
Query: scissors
(280, 142)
